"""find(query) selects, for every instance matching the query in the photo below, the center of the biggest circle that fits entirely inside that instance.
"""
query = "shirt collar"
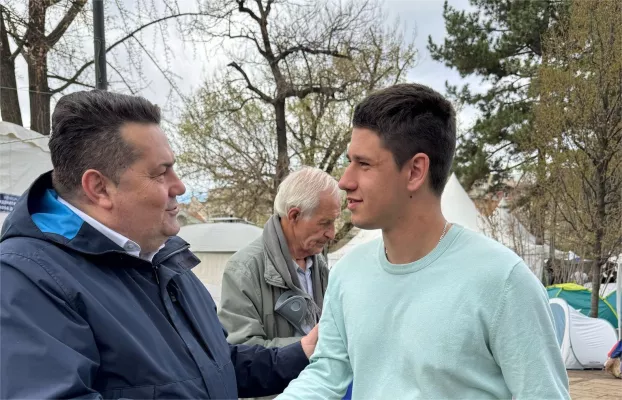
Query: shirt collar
(126, 244)
(308, 262)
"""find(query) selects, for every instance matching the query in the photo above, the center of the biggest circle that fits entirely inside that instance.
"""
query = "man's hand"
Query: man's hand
(308, 342)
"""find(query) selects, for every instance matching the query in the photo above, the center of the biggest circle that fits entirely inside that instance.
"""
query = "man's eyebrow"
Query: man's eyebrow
(361, 158)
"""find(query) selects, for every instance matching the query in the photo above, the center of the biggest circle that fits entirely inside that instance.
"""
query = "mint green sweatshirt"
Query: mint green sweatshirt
(467, 321)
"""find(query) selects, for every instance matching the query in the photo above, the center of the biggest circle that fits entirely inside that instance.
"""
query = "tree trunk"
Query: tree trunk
(599, 235)
(282, 163)
(343, 231)
(39, 90)
(552, 230)
(37, 59)
(9, 100)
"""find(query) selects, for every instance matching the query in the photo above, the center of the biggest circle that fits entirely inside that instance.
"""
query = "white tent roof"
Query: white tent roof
(24, 155)
(457, 207)
(219, 237)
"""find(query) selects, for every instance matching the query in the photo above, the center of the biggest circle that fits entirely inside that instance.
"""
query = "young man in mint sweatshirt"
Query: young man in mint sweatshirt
(431, 310)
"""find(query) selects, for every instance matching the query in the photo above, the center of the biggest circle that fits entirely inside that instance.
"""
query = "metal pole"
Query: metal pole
(100, 45)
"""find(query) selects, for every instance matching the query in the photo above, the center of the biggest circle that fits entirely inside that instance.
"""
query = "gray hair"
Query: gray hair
(303, 189)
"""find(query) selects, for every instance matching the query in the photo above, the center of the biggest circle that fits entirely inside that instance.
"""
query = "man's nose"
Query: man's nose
(346, 182)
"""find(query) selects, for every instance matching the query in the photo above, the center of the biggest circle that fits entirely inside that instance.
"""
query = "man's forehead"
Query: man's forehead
(149, 140)
(329, 205)
(364, 143)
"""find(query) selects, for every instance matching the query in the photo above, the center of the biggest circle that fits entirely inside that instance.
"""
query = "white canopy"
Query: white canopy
(505, 228)
(24, 155)
(219, 237)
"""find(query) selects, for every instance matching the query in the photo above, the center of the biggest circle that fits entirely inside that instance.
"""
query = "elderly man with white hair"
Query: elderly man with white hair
(273, 289)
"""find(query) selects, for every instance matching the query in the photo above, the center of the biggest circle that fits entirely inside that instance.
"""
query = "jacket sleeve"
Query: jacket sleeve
(46, 349)
(523, 340)
(262, 371)
(239, 310)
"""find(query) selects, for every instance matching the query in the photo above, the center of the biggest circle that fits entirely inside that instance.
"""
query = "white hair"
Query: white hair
(303, 189)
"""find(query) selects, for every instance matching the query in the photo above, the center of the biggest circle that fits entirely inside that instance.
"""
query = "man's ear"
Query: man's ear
(98, 188)
(418, 168)
(293, 214)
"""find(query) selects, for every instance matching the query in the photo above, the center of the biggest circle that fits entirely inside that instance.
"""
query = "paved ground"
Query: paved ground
(594, 385)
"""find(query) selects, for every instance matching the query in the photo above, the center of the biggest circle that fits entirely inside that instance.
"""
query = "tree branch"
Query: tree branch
(249, 85)
(246, 10)
(302, 93)
(76, 82)
(123, 39)
(63, 25)
(308, 50)
(12, 32)
(122, 78)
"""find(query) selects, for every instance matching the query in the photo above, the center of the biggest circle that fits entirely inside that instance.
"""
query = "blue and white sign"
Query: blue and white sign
(7, 202)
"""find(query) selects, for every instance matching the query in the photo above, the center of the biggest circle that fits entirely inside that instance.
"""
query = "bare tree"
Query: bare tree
(228, 137)
(9, 103)
(274, 41)
(49, 35)
(579, 127)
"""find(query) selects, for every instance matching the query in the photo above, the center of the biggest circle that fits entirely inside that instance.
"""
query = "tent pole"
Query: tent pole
(619, 297)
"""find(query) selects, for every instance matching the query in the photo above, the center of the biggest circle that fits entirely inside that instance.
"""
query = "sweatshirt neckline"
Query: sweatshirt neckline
(398, 269)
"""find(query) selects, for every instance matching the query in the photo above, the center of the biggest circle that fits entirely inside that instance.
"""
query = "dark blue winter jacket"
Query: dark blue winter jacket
(82, 318)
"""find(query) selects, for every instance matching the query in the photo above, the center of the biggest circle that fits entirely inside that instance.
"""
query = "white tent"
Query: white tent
(457, 207)
(505, 228)
(584, 341)
(214, 244)
(24, 155)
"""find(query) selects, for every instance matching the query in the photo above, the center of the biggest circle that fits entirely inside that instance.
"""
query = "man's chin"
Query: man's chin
(172, 230)
(364, 224)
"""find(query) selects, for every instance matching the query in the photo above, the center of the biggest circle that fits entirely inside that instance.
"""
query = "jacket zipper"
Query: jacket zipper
(155, 274)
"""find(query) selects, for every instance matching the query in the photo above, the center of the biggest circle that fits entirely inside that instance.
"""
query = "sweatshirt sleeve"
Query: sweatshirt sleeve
(329, 372)
(523, 339)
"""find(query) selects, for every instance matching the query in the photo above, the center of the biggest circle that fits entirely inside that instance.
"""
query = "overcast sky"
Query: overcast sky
(424, 16)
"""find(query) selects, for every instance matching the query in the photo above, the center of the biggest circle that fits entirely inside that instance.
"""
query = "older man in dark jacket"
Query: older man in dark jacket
(97, 295)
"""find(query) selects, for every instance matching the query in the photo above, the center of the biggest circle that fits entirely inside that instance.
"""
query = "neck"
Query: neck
(296, 252)
(416, 234)
(105, 219)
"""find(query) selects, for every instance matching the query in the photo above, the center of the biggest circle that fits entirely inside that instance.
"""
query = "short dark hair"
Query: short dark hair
(86, 135)
(411, 119)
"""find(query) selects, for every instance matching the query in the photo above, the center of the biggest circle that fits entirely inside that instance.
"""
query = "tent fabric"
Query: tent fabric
(584, 341)
(24, 155)
(612, 299)
(505, 228)
(220, 237)
(605, 289)
(580, 298)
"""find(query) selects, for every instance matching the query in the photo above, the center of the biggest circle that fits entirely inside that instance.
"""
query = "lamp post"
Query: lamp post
(101, 81)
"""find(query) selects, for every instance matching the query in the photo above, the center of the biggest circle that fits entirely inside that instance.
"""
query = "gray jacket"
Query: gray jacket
(250, 287)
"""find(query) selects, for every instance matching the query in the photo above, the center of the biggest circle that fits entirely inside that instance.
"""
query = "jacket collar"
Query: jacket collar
(38, 214)
(271, 274)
